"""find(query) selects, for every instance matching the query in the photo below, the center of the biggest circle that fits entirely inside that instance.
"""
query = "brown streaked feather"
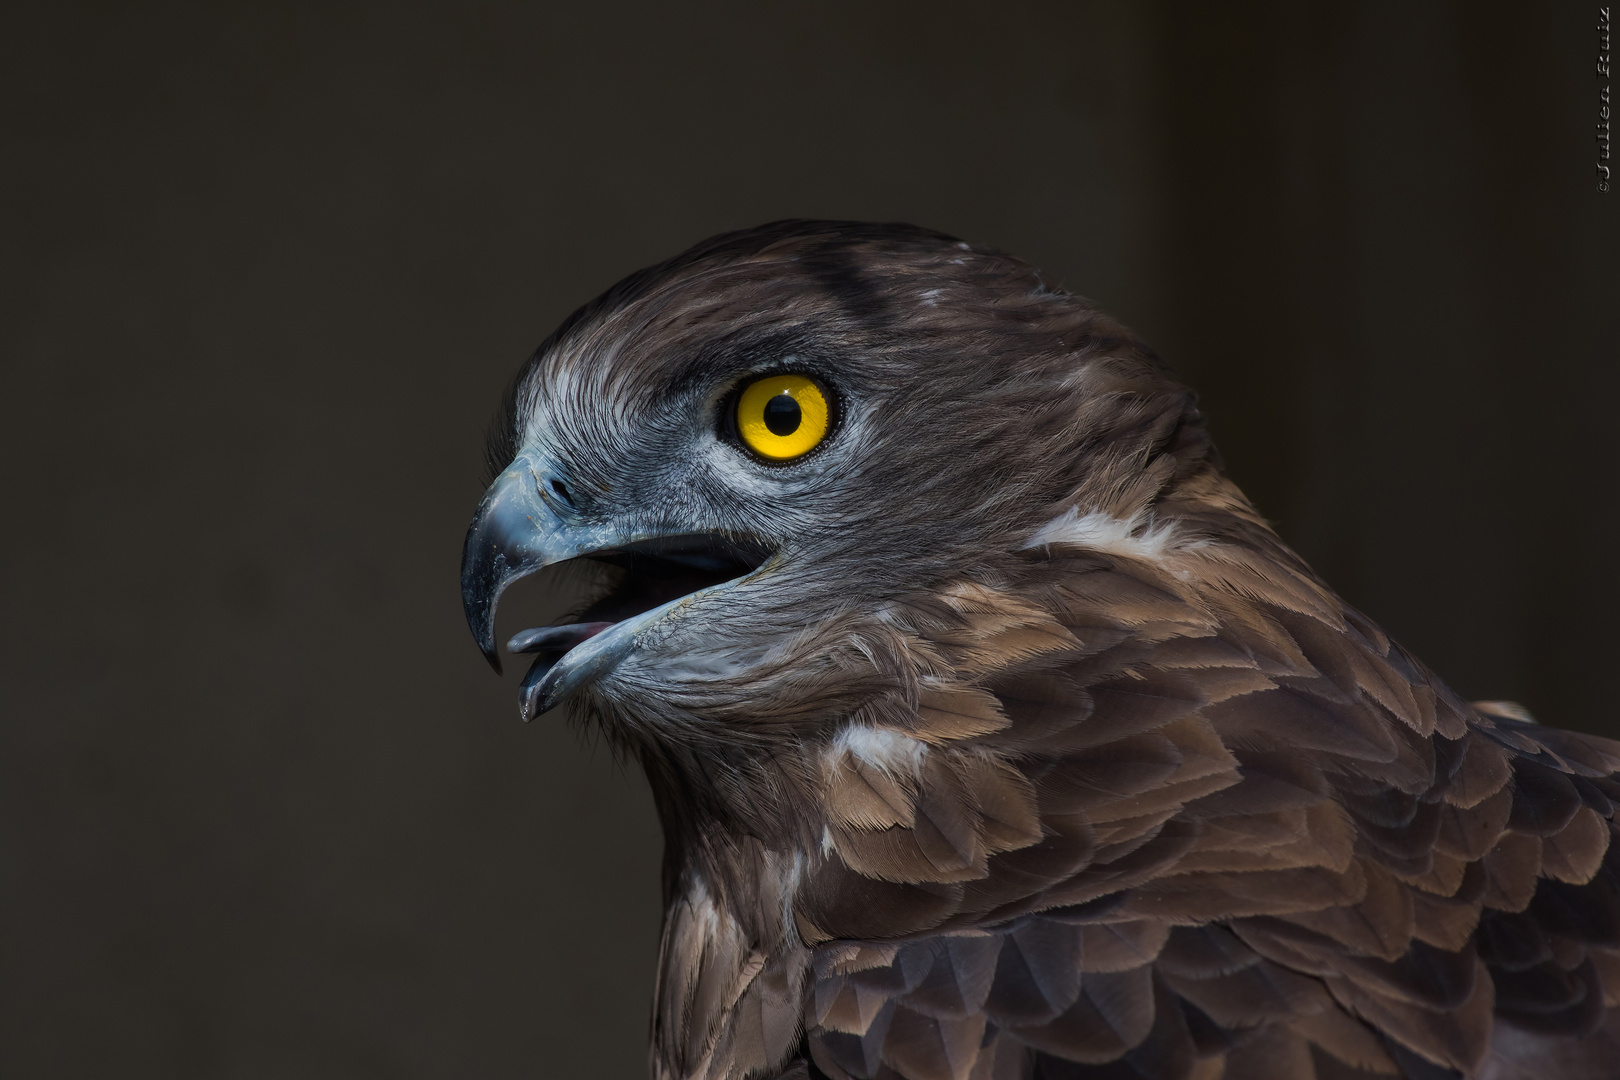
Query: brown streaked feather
(1272, 1052)
(1468, 833)
(1260, 993)
(1037, 974)
(1574, 854)
(1484, 771)
(1112, 1015)
(1380, 924)
(1512, 870)
(1120, 946)
(1345, 1038)
(1456, 1037)
(1447, 923)
(959, 712)
(961, 970)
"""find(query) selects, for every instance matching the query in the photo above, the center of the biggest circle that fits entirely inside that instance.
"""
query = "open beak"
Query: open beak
(521, 527)
(514, 533)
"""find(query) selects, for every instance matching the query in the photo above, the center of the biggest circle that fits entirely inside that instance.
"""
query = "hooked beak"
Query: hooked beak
(514, 533)
(522, 526)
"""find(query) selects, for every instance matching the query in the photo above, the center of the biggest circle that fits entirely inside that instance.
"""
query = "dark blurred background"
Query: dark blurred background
(267, 268)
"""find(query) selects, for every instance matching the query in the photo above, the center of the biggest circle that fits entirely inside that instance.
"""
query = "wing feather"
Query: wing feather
(1189, 837)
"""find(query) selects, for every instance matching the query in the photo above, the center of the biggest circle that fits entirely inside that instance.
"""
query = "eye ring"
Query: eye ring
(783, 417)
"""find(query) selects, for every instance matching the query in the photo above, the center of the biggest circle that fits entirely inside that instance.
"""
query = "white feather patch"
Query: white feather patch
(1136, 536)
(705, 913)
(882, 748)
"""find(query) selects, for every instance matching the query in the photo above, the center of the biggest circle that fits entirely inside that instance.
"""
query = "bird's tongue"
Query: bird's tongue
(560, 638)
(551, 642)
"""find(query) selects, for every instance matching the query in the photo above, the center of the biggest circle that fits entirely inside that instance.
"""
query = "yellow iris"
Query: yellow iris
(782, 417)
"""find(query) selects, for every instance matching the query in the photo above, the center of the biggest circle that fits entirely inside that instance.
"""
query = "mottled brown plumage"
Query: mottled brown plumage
(1032, 751)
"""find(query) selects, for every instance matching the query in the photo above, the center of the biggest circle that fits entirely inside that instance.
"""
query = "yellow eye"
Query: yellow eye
(782, 417)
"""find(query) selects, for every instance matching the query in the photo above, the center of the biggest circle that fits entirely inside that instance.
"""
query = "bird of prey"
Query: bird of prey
(993, 732)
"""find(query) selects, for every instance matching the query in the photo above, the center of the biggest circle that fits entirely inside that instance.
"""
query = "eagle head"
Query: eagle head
(761, 444)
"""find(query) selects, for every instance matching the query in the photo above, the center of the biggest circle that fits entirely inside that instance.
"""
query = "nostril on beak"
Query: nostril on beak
(554, 492)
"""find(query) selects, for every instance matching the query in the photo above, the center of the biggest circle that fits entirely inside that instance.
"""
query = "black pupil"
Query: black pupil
(782, 415)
